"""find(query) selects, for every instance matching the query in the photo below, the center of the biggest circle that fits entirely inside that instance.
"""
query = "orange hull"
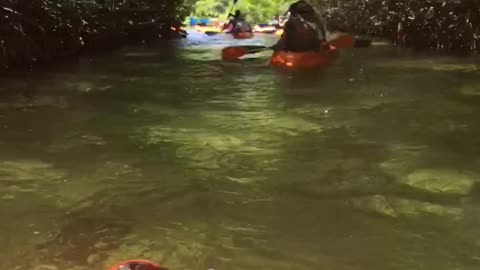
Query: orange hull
(133, 264)
(304, 60)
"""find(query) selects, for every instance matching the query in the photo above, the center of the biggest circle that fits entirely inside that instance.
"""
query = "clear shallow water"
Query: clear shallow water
(164, 152)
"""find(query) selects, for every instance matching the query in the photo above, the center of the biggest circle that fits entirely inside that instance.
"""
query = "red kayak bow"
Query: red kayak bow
(137, 265)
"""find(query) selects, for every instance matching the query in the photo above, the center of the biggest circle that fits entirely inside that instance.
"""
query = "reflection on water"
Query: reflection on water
(164, 152)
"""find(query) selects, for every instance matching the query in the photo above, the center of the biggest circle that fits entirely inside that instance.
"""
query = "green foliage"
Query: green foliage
(256, 11)
(438, 24)
(423, 24)
(212, 8)
(33, 31)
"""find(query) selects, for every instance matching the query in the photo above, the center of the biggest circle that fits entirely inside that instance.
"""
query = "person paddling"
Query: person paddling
(237, 24)
(303, 30)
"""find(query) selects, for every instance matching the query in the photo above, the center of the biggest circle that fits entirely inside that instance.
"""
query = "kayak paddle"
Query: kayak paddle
(229, 14)
(231, 9)
(211, 33)
(346, 41)
(343, 41)
(234, 52)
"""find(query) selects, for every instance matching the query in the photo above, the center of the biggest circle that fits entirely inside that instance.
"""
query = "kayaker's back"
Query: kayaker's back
(238, 24)
(241, 26)
(300, 37)
(303, 31)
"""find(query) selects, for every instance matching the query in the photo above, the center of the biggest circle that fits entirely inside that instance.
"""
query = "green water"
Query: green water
(163, 152)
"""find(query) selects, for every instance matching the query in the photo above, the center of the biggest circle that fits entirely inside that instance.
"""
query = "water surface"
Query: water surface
(164, 152)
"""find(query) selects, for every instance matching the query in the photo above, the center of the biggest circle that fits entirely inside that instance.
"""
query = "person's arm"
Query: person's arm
(323, 30)
(228, 28)
(282, 43)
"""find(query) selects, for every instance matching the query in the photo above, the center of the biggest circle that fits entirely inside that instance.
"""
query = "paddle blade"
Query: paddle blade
(233, 53)
(343, 42)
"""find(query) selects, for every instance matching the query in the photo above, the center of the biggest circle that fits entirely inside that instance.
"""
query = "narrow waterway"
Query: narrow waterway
(163, 152)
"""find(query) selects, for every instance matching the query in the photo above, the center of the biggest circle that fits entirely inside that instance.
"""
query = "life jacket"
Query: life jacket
(303, 35)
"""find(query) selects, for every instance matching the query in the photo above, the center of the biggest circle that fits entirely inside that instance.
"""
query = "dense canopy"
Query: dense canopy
(34, 31)
(257, 11)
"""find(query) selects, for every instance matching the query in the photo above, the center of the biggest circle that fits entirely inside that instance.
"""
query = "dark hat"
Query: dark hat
(301, 7)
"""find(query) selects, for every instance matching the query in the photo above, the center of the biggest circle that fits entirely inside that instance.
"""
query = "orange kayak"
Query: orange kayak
(243, 35)
(304, 60)
(136, 264)
(264, 30)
